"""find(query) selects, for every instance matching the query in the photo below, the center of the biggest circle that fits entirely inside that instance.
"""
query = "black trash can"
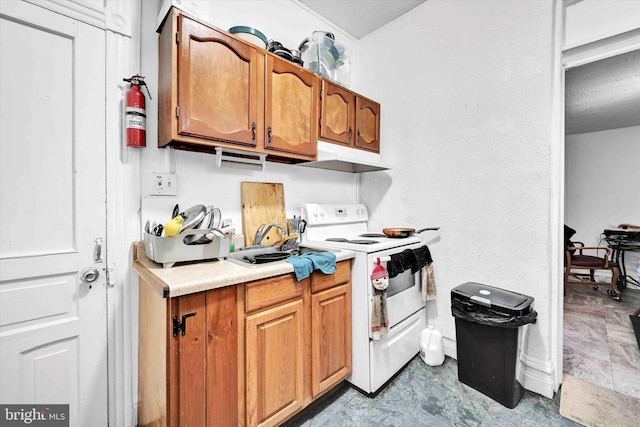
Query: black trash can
(488, 321)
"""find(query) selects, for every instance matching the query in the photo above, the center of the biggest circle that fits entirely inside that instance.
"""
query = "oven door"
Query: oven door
(404, 293)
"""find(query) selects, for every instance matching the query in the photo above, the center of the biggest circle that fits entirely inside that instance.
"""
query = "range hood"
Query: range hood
(339, 158)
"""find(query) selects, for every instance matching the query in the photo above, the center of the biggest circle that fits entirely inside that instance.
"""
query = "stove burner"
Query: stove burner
(356, 241)
(372, 235)
(363, 242)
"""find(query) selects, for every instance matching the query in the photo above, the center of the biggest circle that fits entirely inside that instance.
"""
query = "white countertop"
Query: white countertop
(187, 278)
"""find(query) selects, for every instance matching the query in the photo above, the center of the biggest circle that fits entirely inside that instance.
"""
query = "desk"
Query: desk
(622, 240)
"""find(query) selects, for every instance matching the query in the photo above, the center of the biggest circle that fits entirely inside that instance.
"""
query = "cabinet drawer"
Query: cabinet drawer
(264, 293)
(322, 281)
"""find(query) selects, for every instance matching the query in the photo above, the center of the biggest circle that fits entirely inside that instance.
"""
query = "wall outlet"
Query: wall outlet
(164, 184)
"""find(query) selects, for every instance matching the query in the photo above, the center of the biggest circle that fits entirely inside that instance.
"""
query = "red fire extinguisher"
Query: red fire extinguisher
(135, 116)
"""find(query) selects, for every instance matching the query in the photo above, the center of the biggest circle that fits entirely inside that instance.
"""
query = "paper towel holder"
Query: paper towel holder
(240, 159)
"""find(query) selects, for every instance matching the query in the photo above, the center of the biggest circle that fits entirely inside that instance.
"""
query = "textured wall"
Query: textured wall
(466, 91)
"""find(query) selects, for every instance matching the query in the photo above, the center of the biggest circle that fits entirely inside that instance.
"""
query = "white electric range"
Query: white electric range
(344, 226)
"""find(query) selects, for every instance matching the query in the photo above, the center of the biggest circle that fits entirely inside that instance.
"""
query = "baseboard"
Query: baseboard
(537, 375)
(450, 348)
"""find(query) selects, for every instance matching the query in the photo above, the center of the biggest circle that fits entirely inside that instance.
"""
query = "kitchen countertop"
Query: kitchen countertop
(186, 278)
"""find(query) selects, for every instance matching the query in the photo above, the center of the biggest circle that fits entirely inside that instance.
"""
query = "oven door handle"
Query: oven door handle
(381, 258)
(397, 337)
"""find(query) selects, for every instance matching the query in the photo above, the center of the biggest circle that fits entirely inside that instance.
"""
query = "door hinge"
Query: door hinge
(177, 111)
(178, 37)
(181, 325)
(320, 122)
(321, 94)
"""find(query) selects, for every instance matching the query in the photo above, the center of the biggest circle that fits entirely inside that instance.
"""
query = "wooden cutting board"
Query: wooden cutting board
(262, 203)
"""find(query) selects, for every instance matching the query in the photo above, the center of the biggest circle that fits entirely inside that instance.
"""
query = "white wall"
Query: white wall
(466, 93)
(592, 20)
(199, 181)
(602, 184)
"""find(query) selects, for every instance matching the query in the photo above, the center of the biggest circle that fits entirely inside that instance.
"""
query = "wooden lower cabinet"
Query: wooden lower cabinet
(188, 367)
(274, 370)
(331, 338)
(253, 354)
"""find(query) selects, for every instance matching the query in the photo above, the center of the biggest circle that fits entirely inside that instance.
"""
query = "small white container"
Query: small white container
(431, 346)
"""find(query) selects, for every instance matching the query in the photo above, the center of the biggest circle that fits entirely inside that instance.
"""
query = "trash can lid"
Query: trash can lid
(490, 296)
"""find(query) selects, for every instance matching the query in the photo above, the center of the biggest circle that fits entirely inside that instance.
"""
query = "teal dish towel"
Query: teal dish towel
(304, 264)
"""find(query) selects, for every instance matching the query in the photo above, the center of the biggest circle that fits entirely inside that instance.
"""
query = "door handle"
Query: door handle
(89, 275)
(395, 338)
(181, 325)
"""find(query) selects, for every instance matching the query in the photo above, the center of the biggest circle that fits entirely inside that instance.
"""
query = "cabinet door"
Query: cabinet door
(204, 374)
(367, 124)
(291, 108)
(189, 354)
(274, 364)
(331, 337)
(219, 83)
(222, 357)
(337, 114)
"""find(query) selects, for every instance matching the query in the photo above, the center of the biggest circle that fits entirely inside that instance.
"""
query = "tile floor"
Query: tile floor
(422, 395)
(599, 343)
(598, 348)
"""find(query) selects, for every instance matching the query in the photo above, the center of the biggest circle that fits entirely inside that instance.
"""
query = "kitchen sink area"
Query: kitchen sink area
(267, 255)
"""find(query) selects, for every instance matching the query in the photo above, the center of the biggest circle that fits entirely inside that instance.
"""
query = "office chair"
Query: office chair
(581, 257)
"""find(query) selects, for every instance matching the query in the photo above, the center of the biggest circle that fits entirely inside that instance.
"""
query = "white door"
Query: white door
(53, 325)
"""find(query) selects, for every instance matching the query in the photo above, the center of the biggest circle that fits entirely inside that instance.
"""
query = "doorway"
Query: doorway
(601, 152)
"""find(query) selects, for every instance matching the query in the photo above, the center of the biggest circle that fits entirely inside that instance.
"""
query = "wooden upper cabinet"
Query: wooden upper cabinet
(337, 119)
(214, 90)
(348, 118)
(290, 108)
(367, 124)
(218, 85)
